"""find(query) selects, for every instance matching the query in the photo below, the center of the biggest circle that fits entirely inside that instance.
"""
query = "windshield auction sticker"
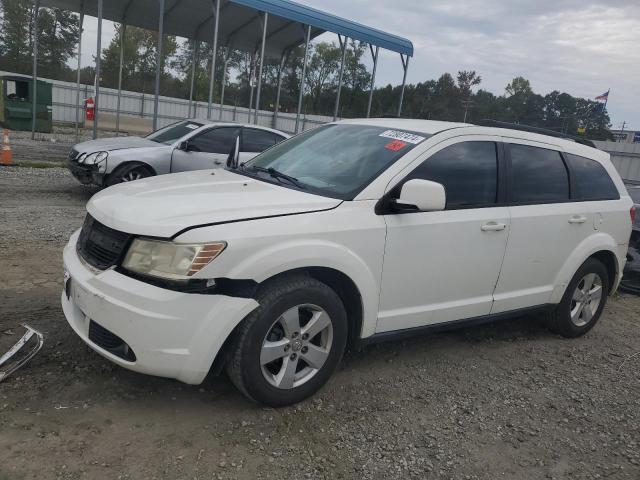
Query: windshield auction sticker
(192, 126)
(395, 145)
(404, 136)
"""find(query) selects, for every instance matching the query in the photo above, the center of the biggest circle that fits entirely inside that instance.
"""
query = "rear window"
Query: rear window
(591, 180)
(538, 175)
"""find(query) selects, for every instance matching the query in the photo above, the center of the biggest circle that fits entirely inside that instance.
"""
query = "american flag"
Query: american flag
(603, 97)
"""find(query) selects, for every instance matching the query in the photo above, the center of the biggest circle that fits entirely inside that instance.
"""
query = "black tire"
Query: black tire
(559, 320)
(126, 173)
(275, 298)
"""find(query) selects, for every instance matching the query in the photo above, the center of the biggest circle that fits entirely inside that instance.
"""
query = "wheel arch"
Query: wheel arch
(600, 246)
(338, 281)
(133, 163)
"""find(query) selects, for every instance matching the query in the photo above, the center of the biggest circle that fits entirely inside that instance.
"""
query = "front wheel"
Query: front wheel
(583, 301)
(128, 173)
(290, 345)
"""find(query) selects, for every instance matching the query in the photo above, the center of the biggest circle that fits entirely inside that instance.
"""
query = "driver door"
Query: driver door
(443, 266)
(205, 150)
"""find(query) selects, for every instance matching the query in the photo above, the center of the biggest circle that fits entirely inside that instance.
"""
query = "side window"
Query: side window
(254, 140)
(591, 179)
(538, 175)
(217, 140)
(468, 171)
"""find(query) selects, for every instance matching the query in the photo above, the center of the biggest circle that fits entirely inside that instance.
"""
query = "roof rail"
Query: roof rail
(529, 128)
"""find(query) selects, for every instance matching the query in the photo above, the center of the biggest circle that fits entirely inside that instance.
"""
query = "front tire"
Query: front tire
(128, 173)
(288, 347)
(583, 301)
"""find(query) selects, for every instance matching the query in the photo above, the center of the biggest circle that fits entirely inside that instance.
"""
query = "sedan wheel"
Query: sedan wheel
(132, 175)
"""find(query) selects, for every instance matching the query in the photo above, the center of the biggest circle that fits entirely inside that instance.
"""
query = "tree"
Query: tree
(58, 33)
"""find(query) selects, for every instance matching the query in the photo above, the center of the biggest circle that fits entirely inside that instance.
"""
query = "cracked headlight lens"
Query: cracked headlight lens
(95, 158)
(169, 260)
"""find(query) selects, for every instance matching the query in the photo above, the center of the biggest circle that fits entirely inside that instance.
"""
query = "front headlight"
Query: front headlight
(95, 158)
(169, 260)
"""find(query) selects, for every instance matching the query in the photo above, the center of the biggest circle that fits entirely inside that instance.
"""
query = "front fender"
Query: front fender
(158, 159)
(293, 255)
(595, 243)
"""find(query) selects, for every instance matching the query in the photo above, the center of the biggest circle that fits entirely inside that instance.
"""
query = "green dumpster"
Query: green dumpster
(16, 105)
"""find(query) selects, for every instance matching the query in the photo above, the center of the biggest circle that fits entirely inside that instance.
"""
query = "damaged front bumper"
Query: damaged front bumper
(21, 352)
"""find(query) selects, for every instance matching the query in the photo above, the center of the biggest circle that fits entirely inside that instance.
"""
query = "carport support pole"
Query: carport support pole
(304, 74)
(224, 83)
(265, 19)
(405, 66)
(194, 55)
(78, 73)
(158, 63)
(343, 46)
(252, 72)
(123, 33)
(216, 11)
(98, 62)
(373, 77)
(283, 60)
(35, 69)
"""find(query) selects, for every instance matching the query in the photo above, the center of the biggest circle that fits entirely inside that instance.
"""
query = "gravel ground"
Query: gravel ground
(508, 400)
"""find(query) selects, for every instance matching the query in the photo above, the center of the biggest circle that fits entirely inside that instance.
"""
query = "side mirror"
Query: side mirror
(184, 146)
(234, 155)
(422, 195)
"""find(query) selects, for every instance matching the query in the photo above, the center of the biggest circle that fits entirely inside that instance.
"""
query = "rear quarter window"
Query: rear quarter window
(591, 180)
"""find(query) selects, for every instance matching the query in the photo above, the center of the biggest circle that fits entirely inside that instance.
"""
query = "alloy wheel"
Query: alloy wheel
(296, 346)
(586, 299)
(132, 175)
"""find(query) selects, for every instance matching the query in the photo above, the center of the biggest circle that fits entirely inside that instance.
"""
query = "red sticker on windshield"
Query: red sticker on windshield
(395, 145)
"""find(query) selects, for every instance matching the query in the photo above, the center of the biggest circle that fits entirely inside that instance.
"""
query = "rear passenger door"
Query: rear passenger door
(546, 225)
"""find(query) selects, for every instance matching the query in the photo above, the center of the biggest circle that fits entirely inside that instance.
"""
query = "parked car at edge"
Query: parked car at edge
(631, 277)
(356, 231)
(186, 145)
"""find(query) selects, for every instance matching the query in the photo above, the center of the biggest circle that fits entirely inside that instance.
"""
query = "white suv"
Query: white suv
(354, 232)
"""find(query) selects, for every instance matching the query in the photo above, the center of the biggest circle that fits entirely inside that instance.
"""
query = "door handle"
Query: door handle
(493, 227)
(578, 219)
(217, 162)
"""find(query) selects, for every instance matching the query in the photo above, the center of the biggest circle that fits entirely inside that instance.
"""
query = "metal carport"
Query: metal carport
(262, 28)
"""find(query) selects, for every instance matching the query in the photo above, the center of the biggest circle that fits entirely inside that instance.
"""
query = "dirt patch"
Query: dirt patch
(508, 400)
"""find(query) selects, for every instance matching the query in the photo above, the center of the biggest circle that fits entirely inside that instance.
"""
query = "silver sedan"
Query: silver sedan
(186, 145)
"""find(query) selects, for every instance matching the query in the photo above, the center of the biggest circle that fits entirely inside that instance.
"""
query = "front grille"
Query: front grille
(110, 342)
(73, 154)
(100, 246)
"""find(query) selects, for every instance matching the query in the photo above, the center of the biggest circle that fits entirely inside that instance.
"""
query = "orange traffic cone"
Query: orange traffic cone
(6, 156)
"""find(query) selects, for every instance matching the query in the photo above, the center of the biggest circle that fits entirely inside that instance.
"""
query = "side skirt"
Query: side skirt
(452, 325)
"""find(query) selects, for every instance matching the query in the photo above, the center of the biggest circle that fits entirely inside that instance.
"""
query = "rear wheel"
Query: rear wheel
(128, 173)
(583, 301)
(290, 345)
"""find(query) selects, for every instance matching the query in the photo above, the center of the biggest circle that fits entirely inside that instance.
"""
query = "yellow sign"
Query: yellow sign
(582, 130)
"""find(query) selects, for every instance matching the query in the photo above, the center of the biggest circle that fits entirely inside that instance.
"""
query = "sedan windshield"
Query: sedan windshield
(333, 160)
(173, 132)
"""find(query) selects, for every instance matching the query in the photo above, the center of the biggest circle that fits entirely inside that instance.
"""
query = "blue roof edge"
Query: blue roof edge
(331, 23)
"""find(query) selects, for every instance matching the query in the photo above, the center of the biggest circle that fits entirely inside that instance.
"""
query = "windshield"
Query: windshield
(173, 132)
(333, 160)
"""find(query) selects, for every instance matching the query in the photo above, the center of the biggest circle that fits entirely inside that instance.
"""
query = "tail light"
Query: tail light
(632, 212)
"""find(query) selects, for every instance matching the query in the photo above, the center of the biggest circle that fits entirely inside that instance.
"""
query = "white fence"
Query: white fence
(169, 109)
(625, 157)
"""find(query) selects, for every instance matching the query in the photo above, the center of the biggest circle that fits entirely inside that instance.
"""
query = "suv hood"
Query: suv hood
(115, 143)
(165, 205)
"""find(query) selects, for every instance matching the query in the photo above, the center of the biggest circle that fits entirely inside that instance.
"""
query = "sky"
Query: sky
(582, 47)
